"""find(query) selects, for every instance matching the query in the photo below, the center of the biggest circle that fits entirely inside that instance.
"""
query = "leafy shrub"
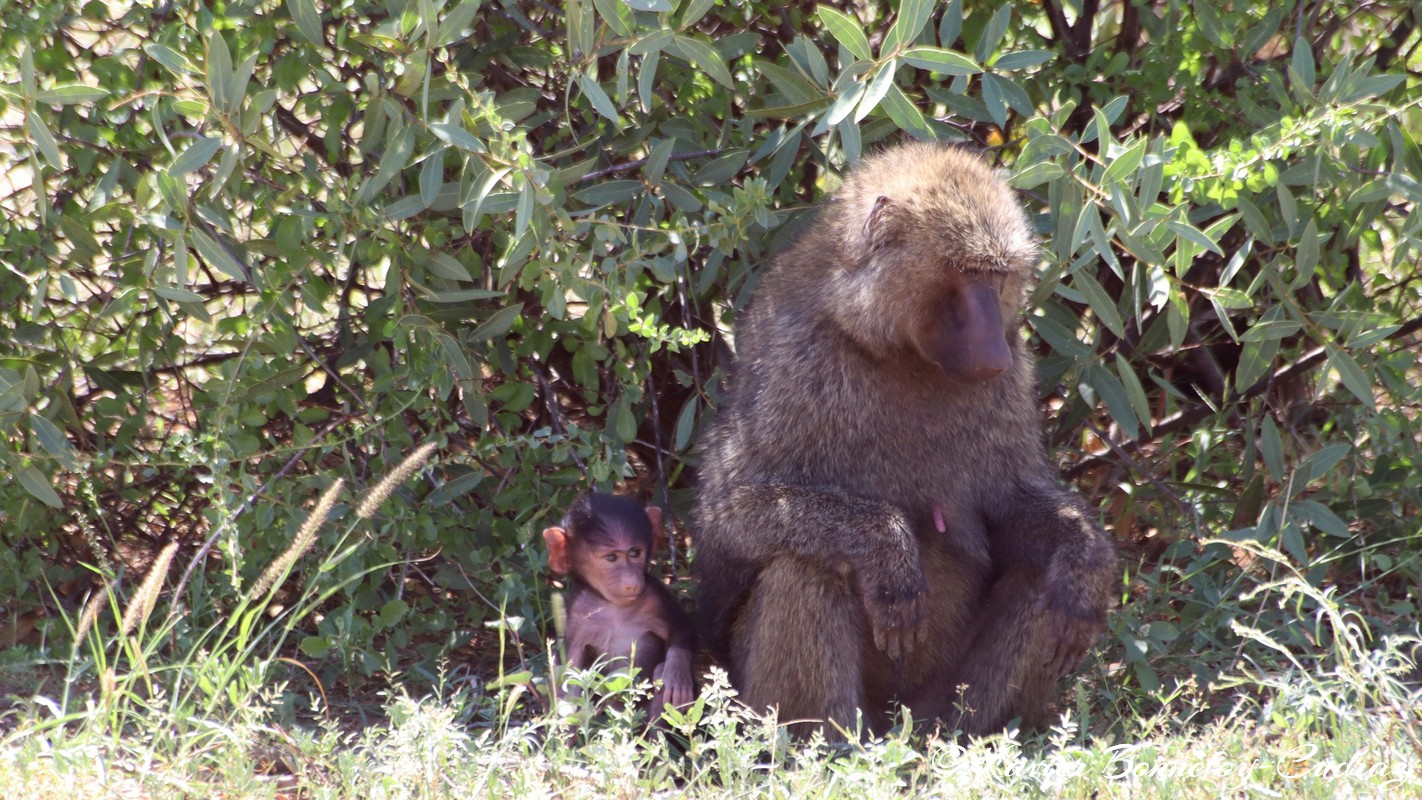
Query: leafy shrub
(251, 247)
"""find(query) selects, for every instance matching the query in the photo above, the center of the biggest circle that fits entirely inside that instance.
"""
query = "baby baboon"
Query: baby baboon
(614, 612)
(878, 520)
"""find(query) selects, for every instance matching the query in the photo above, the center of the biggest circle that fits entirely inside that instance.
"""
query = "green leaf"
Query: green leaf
(445, 266)
(1254, 362)
(904, 113)
(1271, 329)
(455, 489)
(1036, 174)
(1125, 164)
(1194, 235)
(944, 62)
(37, 484)
(1117, 401)
(1063, 341)
(1320, 516)
(454, 135)
(72, 94)
(595, 94)
(951, 25)
(431, 178)
(524, 212)
(27, 70)
(217, 256)
(171, 59)
(610, 192)
(1100, 301)
(656, 163)
(994, 100)
(685, 424)
(623, 421)
(1302, 62)
(53, 440)
(177, 294)
(219, 71)
(722, 168)
(789, 82)
(457, 296)
(1352, 375)
(1307, 255)
(44, 141)
(498, 324)
(913, 15)
(847, 31)
(308, 20)
(392, 612)
(1271, 448)
(992, 34)
(1022, 59)
(618, 16)
(1319, 463)
(878, 88)
(1134, 391)
(652, 43)
(704, 57)
(693, 11)
(195, 157)
(1210, 25)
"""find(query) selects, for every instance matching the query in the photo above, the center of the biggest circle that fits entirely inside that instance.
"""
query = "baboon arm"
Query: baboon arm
(1043, 528)
(817, 525)
(871, 543)
(1048, 531)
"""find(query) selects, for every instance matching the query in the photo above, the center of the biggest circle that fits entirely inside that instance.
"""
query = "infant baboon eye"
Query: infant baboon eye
(634, 553)
(610, 558)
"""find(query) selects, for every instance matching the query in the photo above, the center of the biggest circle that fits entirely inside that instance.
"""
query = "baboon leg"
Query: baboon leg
(1004, 667)
(797, 646)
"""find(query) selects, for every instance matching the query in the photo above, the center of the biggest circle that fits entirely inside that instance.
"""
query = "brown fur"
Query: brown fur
(823, 580)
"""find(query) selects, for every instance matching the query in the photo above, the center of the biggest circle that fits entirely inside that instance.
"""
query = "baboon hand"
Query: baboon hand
(894, 605)
(676, 690)
(1072, 627)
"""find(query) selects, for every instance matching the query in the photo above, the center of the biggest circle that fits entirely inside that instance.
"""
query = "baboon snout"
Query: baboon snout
(972, 345)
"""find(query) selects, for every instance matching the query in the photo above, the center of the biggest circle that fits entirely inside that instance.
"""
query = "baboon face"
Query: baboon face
(936, 257)
(604, 542)
(962, 331)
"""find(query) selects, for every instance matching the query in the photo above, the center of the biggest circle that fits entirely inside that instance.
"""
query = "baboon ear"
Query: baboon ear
(881, 227)
(559, 559)
(659, 534)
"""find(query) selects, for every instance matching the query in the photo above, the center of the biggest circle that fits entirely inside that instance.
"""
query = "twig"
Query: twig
(631, 165)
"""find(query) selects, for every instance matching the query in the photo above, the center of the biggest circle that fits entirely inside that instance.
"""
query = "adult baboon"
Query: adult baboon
(878, 519)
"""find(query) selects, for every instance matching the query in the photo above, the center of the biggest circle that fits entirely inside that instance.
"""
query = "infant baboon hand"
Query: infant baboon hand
(1072, 627)
(676, 689)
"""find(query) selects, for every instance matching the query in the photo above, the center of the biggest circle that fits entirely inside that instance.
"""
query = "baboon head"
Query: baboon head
(935, 258)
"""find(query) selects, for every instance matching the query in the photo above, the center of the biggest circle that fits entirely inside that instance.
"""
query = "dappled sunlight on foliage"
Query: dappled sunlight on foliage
(252, 251)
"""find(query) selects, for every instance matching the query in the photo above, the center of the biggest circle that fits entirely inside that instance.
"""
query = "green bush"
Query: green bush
(251, 247)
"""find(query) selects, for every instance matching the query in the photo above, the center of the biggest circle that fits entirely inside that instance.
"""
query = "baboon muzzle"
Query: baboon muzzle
(972, 345)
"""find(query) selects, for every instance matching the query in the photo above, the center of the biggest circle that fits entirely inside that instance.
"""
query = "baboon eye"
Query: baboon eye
(610, 558)
(634, 553)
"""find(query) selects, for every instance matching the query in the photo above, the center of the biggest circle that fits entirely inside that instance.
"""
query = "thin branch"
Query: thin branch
(631, 165)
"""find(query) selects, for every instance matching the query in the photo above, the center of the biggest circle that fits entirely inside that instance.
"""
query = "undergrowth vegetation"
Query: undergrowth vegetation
(313, 313)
